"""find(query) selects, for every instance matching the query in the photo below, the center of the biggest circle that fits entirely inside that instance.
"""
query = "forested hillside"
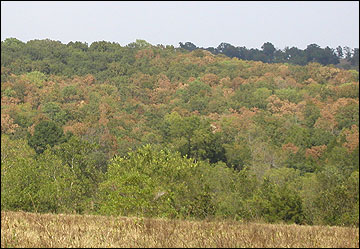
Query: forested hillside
(158, 131)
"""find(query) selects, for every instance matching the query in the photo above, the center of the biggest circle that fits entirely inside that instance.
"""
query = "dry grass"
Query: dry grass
(20, 229)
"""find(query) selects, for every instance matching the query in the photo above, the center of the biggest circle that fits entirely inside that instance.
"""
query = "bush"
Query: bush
(151, 182)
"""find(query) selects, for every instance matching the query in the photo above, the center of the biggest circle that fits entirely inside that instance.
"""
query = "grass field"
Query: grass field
(20, 229)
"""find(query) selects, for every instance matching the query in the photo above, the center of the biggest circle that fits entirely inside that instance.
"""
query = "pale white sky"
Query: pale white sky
(204, 23)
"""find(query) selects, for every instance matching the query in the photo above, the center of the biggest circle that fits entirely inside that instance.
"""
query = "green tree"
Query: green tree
(57, 188)
(238, 154)
(276, 203)
(19, 175)
(151, 182)
(347, 115)
(269, 50)
(78, 45)
(339, 52)
(55, 113)
(230, 190)
(290, 94)
(311, 114)
(259, 97)
(84, 166)
(139, 44)
(192, 137)
(337, 201)
(46, 133)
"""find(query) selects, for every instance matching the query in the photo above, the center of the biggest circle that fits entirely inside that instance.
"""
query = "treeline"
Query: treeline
(159, 131)
(348, 57)
(101, 59)
(154, 182)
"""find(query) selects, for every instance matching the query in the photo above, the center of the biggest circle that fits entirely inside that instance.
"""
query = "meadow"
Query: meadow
(22, 229)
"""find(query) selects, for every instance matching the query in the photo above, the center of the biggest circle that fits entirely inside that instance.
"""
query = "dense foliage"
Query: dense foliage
(163, 132)
(343, 57)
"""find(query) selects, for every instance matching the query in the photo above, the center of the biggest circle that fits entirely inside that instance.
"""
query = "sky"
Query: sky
(204, 23)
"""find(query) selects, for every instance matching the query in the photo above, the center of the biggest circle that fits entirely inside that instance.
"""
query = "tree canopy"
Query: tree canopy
(185, 132)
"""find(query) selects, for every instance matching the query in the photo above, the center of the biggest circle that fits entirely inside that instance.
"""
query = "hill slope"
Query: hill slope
(246, 140)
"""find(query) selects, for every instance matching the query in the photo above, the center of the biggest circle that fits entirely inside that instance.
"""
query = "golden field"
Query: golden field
(21, 229)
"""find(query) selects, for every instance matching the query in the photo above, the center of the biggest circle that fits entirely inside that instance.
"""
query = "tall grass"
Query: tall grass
(20, 229)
